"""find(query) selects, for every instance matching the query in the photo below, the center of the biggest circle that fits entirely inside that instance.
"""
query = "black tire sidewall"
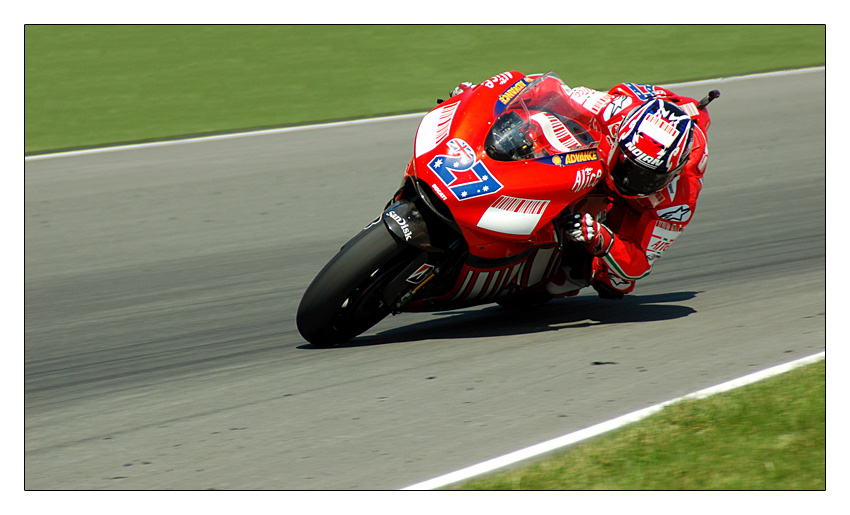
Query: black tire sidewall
(349, 269)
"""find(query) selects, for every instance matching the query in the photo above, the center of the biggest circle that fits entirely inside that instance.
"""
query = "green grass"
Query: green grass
(96, 85)
(766, 436)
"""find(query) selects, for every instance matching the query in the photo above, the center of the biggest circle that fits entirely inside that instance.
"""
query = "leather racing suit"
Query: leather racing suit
(643, 228)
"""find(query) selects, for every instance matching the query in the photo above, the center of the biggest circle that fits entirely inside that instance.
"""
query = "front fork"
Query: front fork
(405, 221)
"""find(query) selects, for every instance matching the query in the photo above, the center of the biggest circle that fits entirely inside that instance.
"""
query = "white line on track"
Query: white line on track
(233, 135)
(604, 427)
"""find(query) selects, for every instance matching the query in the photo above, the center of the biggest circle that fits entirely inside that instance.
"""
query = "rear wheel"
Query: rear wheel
(346, 298)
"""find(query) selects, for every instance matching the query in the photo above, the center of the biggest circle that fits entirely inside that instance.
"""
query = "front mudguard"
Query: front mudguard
(405, 221)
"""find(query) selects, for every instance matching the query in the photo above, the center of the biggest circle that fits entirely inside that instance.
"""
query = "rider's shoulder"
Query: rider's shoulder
(676, 202)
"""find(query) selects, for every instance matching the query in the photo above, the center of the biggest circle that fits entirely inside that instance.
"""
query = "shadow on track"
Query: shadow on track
(494, 321)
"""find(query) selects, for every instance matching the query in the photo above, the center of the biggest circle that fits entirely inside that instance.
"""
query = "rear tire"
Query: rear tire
(345, 299)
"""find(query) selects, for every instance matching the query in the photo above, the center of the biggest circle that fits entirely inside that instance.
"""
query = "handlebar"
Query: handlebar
(708, 98)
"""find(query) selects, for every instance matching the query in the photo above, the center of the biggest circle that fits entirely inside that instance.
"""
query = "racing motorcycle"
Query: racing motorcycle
(477, 217)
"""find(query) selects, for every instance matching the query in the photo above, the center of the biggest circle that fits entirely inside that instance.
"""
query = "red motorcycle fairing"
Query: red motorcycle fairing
(487, 280)
(505, 207)
(476, 217)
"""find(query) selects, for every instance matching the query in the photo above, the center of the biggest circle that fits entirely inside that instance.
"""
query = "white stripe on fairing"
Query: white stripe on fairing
(280, 130)
(464, 285)
(511, 215)
(604, 427)
(541, 263)
(434, 128)
(479, 284)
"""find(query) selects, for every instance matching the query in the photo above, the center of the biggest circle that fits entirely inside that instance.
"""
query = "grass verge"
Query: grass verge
(94, 85)
(767, 436)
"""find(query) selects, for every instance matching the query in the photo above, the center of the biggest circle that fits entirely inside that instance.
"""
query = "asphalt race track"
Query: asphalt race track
(161, 286)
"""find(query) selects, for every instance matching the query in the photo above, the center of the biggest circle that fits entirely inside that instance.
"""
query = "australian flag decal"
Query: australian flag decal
(465, 176)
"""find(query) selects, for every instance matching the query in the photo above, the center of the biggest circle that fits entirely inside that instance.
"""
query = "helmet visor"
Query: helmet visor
(633, 179)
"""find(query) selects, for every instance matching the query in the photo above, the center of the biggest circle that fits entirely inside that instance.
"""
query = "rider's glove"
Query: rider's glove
(462, 88)
(583, 228)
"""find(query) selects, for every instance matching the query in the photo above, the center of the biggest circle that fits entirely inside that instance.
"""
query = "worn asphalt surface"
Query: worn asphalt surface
(161, 286)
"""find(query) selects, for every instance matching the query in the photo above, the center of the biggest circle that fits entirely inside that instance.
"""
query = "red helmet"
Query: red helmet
(654, 142)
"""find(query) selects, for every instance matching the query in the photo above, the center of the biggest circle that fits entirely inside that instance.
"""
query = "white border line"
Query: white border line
(233, 135)
(780, 73)
(604, 427)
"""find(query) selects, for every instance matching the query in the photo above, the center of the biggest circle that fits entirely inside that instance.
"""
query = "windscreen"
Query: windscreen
(539, 122)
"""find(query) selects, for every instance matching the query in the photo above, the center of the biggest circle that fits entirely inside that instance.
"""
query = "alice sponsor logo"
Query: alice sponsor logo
(587, 177)
(500, 79)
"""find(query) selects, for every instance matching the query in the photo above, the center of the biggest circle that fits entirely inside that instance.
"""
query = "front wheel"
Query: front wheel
(346, 299)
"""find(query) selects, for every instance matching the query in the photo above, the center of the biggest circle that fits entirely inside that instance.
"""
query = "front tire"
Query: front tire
(345, 299)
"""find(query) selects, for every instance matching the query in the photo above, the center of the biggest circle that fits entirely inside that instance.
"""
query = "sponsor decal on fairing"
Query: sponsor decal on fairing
(500, 79)
(511, 93)
(465, 176)
(439, 192)
(511, 215)
(587, 178)
(576, 157)
(506, 97)
(420, 274)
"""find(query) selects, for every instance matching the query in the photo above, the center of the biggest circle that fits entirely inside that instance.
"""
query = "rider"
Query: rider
(653, 153)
